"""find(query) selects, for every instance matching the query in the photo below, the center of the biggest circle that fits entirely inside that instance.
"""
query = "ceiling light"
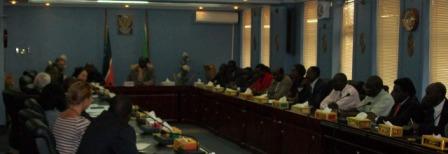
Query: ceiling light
(125, 2)
(235, 7)
(201, 8)
(244, 0)
(126, 6)
(13, 2)
(47, 4)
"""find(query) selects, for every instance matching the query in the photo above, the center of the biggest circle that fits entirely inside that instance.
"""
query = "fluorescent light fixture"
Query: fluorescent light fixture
(123, 2)
(247, 26)
(266, 26)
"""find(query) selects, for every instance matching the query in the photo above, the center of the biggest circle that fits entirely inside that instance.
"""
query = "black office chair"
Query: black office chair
(32, 103)
(26, 114)
(27, 143)
(43, 138)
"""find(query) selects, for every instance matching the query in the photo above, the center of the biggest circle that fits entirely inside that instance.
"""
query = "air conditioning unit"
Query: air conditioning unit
(216, 17)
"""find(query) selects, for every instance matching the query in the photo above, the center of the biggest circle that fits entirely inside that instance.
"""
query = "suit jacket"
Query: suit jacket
(314, 95)
(108, 135)
(148, 76)
(405, 112)
(279, 89)
(425, 119)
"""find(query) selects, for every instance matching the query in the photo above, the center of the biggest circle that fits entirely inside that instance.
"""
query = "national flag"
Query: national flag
(145, 51)
(107, 62)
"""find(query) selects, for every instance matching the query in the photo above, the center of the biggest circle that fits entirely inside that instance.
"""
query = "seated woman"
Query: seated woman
(80, 74)
(70, 126)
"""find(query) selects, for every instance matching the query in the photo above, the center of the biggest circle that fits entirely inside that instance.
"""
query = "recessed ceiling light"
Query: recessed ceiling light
(244, 0)
(201, 8)
(126, 6)
(235, 7)
(47, 4)
(13, 2)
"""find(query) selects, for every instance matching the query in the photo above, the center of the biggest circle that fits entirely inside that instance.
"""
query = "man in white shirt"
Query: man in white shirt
(377, 102)
(343, 96)
(433, 116)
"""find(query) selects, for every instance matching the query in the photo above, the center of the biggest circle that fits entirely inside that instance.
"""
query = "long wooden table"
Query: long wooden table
(262, 128)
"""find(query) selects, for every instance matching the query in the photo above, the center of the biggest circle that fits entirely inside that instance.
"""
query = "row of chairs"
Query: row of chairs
(29, 126)
(36, 125)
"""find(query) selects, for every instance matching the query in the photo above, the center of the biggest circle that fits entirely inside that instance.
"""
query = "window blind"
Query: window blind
(309, 57)
(246, 41)
(388, 24)
(346, 62)
(265, 34)
(438, 53)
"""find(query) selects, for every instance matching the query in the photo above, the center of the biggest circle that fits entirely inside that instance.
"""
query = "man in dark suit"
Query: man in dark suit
(110, 131)
(314, 89)
(405, 103)
(433, 112)
(297, 75)
(143, 73)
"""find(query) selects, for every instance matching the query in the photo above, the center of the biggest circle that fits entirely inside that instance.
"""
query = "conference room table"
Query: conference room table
(146, 143)
(262, 128)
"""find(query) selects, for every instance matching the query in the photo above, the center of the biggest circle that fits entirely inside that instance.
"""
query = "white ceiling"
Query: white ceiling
(164, 4)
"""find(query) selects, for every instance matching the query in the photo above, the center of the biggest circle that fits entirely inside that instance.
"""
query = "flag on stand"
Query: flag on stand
(145, 51)
(107, 62)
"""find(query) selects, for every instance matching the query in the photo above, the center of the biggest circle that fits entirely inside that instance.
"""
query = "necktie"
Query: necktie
(396, 110)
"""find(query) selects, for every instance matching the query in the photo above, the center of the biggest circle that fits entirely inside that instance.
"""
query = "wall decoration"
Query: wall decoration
(363, 2)
(323, 9)
(324, 43)
(125, 23)
(254, 42)
(277, 42)
(410, 19)
(362, 42)
(411, 45)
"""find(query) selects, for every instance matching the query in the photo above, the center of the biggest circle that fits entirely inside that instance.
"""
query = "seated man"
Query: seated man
(343, 96)
(280, 86)
(432, 115)
(143, 73)
(263, 79)
(405, 103)
(110, 131)
(232, 73)
(245, 79)
(313, 89)
(297, 75)
(377, 102)
(56, 70)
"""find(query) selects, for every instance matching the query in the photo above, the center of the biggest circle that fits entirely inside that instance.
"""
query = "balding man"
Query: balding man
(110, 131)
(377, 101)
(433, 114)
(343, 96)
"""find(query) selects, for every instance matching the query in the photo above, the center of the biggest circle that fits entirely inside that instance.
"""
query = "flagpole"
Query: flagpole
(147, 33)
(105, 22)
